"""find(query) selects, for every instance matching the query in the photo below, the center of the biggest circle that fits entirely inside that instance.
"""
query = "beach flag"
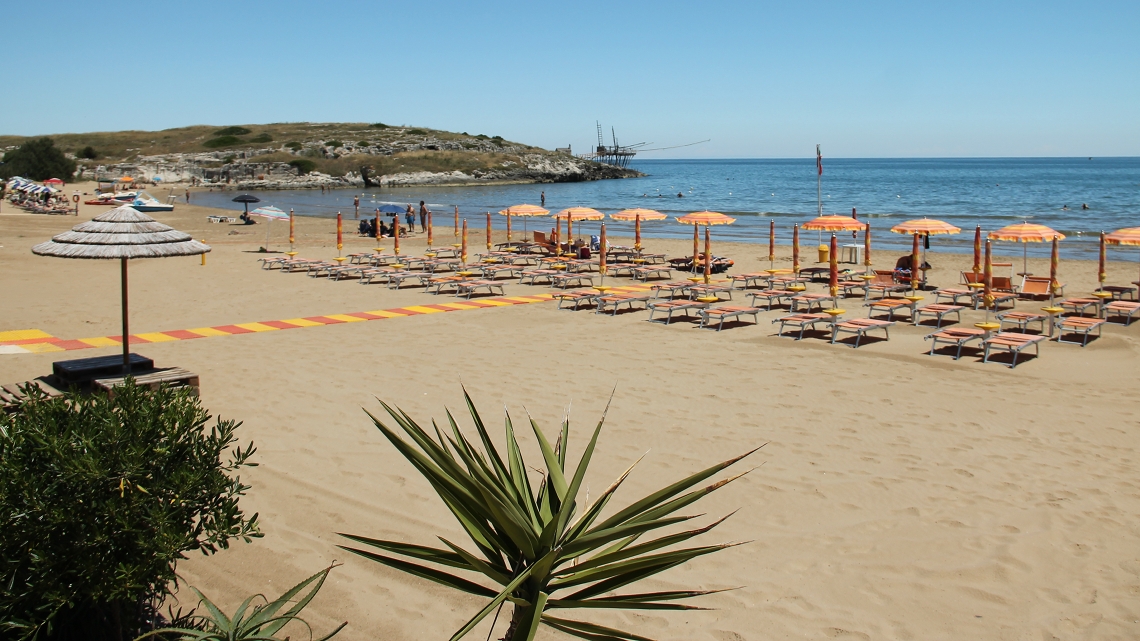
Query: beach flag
(818, 160)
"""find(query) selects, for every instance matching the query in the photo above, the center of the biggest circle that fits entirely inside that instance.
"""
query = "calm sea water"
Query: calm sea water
(964, 192)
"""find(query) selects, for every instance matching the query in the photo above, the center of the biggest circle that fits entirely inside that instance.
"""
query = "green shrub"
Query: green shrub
(222, 141)
(232, 131)
(294, 145)
(334, 143)
(417, 132)
(262, 137)
(303, 165)
(99, 499)
(481, 136)
(364, 143)
(88, 153)
(379, 125)
(230, 158)
(38, 159)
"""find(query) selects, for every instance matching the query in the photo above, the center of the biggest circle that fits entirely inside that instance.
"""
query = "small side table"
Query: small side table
(988, 328)
(1052, 312)
(835, 314)
(340, 259)
(1104, 297)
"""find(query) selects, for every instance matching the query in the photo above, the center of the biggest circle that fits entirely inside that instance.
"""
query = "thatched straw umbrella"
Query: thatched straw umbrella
(122, 233)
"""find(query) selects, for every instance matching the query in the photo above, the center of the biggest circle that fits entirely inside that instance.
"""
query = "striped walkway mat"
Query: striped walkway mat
(26, 341)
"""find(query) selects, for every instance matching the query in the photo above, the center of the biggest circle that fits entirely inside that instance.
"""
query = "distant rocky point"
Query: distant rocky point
(314, 155)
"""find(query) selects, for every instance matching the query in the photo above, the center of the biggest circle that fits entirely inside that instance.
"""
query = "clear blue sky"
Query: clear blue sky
(865, 79)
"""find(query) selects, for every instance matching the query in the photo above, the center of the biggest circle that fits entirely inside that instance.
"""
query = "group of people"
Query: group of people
(367, 226)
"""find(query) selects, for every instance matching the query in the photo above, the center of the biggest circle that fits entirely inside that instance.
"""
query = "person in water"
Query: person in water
(1065, 208)
(1084, 205)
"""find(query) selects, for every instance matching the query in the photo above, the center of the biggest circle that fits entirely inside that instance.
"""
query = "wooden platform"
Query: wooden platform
(11, 394)
(152, 378)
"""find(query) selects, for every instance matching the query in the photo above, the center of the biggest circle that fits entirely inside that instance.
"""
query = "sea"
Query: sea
(991, 192)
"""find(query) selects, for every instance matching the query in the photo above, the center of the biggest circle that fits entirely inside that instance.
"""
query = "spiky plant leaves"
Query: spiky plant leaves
(534, 540)
(261, 623)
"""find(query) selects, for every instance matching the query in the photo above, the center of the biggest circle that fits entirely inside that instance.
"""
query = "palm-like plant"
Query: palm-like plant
(532, 541)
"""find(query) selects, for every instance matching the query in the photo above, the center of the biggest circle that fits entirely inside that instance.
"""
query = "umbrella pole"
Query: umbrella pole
(126, 330)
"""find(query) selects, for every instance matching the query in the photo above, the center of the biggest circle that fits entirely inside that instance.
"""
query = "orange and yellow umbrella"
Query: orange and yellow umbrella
(771, 243)
(396, 235)
(1054, 264)
(1100, 272)
(290, 229)
(867, 247)
(977, 251)
(833, 223)
(796, 249)
(488, 231)
(523, 210)
(833, 271)
(1128, 237)
(926, 227)
(339, 237)
(708, 255)
(706, 218)
(430, 237)
(1025, 232)
(628, 215)
(581, 213)
(463, 244)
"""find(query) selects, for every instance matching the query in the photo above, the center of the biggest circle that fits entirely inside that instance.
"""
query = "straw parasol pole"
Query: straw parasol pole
(833, 270)
(463, 244)
(430, 237)
(1101, 275)
(795, 249)
(122, 233)
(914, 264)
(867, 248)
(488, 231)
(708, 255)
(772, 244)
(602, 255)
(977, 251)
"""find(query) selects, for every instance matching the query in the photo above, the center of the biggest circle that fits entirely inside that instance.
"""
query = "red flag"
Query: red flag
(818, 160)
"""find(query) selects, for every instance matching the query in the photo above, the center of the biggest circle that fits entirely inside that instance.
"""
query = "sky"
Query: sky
(755, 79)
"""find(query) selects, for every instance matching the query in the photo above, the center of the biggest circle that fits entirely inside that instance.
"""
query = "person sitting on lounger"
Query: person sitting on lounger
(902, 267)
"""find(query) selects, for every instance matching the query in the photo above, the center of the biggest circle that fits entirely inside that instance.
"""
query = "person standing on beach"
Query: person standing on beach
(423, 217)
(410, 219)
(356, 206)
(187, 196)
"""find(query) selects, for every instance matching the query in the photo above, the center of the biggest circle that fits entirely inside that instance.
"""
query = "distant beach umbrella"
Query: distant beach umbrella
(270, 213)
(978, 250)
(244, 199)
(1101, 274)
(795, 249)
(1025, 232)
(833, 269)
(705, 218)
(524, 210)
(627, 215)
(1129, 237)
(122, 233)
(834, 223)
(392, 209)
(926, 227)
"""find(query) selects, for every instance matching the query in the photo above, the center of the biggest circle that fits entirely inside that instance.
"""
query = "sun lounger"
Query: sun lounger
(860, 327)
(468, 287)
(435, 265)
(674, 288)
(724, 313)
(811, 300)
(359, 257)
(652, 259)
(953, 294)
(1080, 305)
(1078, 325)
(847, 287)
(937, 310)
(884, 284)
(535, 275)
(956, 336)
(444, 252)
(802, 321)
(770, 296)
(291, 266)
(671, 306)
(615, 301)
(704, 291)
(396, 279)
(1021, 320)
(1014, 343)
(785, 281)
(747, 280)
(578, 298)
(621, 269)
(564, 280)
(890, 305)
(648, 271)
(494, 271)
(1122, 308)
(1038, 288)
(1121, 292)
(439, 283)
(12, 394)
(328, 269)
(268, 263)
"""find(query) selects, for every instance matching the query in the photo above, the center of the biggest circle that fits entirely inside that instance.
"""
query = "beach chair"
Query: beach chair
(747, 280)
(1021, 320)
(1121, 292)
(1000, 298)
(542, 244)
(577, 298)
(956, 336)
(1078, 325)
(1014, 343)
(1080, 305)
(494, 271)
(621, 269)
(785, 281)
(673, 288)
(303, 265)
(939, 311)
(770, 296)
(396, 279)
(848, 287)
(564, 280)
(1121, 308)
(802, 321)
(671, 306)
(357, 258)
(613, 302)
(268, 263)
(1038, 288)
(811, 300)
(467, 288)
(890, 305)
(648, 271)
(704, 291)
(724, 313)
(439, 283)
(859, 327)
(884, 284)
(535, 275)
(374, 273)
(953, 294)
(652, 259)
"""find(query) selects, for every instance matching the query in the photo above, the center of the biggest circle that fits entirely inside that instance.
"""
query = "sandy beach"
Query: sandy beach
(900, 496)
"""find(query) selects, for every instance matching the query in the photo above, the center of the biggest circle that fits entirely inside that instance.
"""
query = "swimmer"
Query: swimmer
(680, 195)
(1085, 205)
(1065, 208)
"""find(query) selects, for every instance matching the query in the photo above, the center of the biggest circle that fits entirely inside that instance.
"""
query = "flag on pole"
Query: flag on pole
(818, 161)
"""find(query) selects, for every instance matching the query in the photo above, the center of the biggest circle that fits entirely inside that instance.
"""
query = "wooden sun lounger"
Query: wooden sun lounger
(724, 313)
(1122, 308)
(578, 298)
(1021, 320)
(171, 376)
(1078, 325)
(772, 295)
(811, 300)
(860, 327)
(937, 310)
(1080, 305)
(468, 287)
(670, 306)
(1014, 343)
(673, 288)
(802, 321)
(956, 336)
(644, 273)
(564, 280)
(614, 301)
(890, 305)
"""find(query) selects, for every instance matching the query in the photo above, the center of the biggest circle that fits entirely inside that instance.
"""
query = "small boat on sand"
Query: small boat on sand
(147, 203)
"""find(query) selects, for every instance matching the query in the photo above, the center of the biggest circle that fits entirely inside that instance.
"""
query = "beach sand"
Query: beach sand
(900, 495)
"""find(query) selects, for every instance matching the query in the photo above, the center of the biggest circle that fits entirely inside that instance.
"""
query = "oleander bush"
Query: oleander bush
(533, 540)
(100, 498)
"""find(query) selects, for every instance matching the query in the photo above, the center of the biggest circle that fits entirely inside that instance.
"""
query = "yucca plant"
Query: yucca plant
(532, 540)
(251, 621)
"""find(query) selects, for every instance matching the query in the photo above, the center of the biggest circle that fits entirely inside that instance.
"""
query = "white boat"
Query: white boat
(146, 202)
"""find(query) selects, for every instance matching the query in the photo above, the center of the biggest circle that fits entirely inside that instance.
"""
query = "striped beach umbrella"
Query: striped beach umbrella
(602, 255)
(834, 223)
(291, 228)
(1054, 264)
(1025, 232)
(456, 230)
(488, 231)
(914, 264)
(524, 210)
(271, 214)
(430, 238)
(463, 244)
(772, 243)
(1100, 274)
(833, 268)
(708, 255)
(696, 249)
(396, 235)
(508, 228)
(638, 216)
(867, 248)
(705, 218)
(339, 235)
(376, 229)
(1129, 237)
(795, 249)
(926, 227)
(977, 250)
(988, 279)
